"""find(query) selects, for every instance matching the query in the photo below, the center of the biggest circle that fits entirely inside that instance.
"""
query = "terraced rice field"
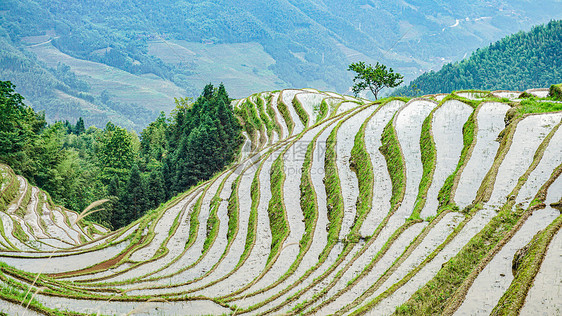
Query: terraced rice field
(337, 205)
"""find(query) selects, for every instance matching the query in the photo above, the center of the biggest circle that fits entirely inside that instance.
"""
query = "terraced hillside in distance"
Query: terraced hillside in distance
(444, 204)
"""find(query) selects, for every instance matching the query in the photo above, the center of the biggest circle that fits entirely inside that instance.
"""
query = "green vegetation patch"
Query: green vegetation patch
(213, 222)
(526, 266)
(433, 297)
(394, 161)
(268, 122)
(233, 209)
(322, 111)
(17, 293)
(10, 191)
(276, 209)
(428, 157)
(555, 92)
(301, 112)
(332, 185)
(361, 163)
(253, 115)
(245, 120)
(308, 198)
(253, 219)
(19, 233)
(194, 222)
(22, 207)
(272, 115)
(533, 106)
(282, 107)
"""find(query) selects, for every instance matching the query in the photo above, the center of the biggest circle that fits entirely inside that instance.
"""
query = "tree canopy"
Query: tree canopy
(77, 166)
(373, 78)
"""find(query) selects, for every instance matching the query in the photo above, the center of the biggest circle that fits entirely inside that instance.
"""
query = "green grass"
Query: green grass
(428, 158)
(253, 115)
(532, 106)
(333, 192)
(367, 268)
(514, 298)
(233, 209)
(361, 164)
(254, 120)
(276, 209)
(413, 272)
(19, 233)
(282, 107)
(433, 297)
(301, 112)
(473, 103)
(555, 92)
(392, 149)
(332, 185)
(252, 222)
(394, 161)
(253, 219)
(14, 292)
(154, 215)
(310, 209)
(247, 125)
(272, 115)
(506, 137)
(444, 292)
(322, 111)
(483, 93)
(11, 190)
(308, 198)
(194, 222)
(269, 125)
(213, 222)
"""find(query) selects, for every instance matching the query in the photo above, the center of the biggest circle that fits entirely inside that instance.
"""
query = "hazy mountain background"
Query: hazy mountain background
(517, 62)
(126, 60)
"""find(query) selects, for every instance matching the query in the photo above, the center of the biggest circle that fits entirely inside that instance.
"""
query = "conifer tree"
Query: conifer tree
(133, 199)
(155, 192)
(80, 128)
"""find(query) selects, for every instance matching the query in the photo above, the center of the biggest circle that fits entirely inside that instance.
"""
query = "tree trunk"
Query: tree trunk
(375, 92)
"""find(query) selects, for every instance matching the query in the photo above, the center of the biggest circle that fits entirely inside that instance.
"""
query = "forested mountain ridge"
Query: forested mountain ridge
(128, 59)
(519, 61)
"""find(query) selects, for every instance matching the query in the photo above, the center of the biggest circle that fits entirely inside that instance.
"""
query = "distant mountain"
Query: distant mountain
(128, 59)
(520, 61)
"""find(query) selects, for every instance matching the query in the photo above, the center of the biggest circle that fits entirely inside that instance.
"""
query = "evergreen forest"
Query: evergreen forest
(77, 166)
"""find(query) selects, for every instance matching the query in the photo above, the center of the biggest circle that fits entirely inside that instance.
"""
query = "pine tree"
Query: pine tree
(116, 153)
(155, 192)
(133, 199)
(80, 128)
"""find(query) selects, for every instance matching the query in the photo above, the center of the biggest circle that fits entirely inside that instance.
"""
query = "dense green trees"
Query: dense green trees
(18, 128)
(517, 62)
(203, 138)
(77, 166)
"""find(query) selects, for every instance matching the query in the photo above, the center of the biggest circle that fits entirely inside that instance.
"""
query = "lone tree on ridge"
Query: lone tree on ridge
(373, 78)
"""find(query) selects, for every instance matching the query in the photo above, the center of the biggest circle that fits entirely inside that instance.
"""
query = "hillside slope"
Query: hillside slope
(338, 205)
(520, 61)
